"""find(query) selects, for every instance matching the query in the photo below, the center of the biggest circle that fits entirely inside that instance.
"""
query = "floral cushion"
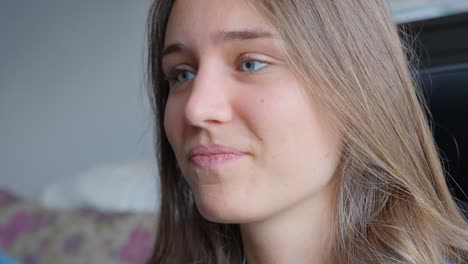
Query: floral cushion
(34, 234)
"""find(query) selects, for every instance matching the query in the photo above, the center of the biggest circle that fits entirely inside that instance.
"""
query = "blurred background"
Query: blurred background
(412, 10)
(72, 91)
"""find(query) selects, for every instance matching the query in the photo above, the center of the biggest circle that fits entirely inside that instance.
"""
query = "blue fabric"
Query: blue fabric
(5, 259)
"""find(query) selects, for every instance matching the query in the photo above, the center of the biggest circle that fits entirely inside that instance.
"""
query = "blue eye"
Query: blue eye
(251, 65)
(184, 76)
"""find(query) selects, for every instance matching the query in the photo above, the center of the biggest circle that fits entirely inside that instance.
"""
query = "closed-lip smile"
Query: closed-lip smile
(211, 156)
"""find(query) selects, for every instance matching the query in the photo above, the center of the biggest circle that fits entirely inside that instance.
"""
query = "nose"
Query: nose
(209, 100)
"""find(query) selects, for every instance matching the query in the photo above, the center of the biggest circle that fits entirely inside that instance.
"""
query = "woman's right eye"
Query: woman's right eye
(184, 76)
(179, 77)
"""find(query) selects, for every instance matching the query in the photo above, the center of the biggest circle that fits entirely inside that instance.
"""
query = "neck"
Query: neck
(300, 234)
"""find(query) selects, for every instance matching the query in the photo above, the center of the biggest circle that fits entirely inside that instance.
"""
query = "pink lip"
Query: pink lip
(212, 156)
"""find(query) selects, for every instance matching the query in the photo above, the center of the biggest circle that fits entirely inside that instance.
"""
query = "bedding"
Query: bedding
(35, 234)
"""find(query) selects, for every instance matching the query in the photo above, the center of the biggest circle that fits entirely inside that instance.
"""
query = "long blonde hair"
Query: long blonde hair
(393, 204)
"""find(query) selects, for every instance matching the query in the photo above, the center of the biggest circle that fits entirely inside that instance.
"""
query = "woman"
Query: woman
(291, 132)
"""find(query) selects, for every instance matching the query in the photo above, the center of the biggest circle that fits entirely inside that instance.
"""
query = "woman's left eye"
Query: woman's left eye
(252, 65)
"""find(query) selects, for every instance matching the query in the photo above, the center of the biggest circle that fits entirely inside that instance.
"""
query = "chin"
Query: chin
(220, 211)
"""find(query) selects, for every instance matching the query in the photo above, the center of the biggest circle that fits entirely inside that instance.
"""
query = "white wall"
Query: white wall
(72, 91)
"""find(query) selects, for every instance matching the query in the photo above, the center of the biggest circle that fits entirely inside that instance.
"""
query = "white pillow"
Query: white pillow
(131, 186)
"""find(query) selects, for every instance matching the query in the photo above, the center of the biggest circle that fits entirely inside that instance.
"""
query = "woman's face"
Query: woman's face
(249, 141)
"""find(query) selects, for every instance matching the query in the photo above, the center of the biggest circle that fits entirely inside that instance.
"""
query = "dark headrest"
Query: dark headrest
(446, 91)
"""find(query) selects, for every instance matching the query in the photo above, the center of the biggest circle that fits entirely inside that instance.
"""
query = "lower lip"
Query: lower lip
(215, 160)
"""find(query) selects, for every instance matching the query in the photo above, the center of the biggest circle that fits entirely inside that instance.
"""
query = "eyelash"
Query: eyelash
(173, 74)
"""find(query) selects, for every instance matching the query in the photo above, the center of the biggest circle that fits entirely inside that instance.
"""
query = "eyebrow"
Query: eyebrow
(224, 36)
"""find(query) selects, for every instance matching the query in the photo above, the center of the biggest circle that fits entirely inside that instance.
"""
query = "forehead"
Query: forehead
(195, 22)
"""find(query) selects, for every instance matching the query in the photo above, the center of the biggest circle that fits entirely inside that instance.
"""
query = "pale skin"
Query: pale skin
(231, 86)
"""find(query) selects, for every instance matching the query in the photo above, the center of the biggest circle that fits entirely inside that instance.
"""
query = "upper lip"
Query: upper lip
(205, 150)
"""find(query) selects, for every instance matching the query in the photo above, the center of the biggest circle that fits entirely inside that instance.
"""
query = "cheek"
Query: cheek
(299, 147)
(173, 118)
